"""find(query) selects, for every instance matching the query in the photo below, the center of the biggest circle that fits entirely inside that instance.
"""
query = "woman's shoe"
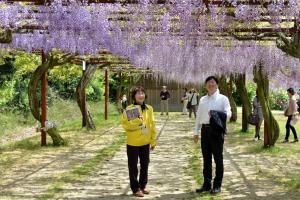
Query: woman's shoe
(145, 191)
(138, 194)
(285, 141)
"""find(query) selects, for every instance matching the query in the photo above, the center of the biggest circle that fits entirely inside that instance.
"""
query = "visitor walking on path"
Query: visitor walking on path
(257, 110)
(141, 138)
(291, 112)
(192, 102)
(213, 112)
(124, 101)
(164, 100)
(184, 101)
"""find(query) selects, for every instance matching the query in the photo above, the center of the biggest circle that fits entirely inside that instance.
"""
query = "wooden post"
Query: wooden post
(84, 119)
(106, 95)
(44, 105)
(230, 85)
(244, 116)
(119, 89)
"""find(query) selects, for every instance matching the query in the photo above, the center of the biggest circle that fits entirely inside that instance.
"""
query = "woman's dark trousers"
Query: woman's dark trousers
(133, 153)
(288, 126)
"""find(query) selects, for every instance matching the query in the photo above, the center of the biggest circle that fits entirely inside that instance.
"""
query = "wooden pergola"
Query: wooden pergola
(113, 66)
(239, 33)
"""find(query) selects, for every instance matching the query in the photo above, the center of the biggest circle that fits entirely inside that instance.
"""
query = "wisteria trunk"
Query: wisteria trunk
(34, 99)
(120, 80)
(289, 46)
(271, 128)
(224, 89)
(240, 82)
(87, 120)
(6, 36)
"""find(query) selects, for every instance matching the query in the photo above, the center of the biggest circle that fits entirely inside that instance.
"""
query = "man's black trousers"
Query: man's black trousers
(212, 145)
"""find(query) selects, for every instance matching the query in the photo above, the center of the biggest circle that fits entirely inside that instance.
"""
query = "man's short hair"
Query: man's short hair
(211, 78)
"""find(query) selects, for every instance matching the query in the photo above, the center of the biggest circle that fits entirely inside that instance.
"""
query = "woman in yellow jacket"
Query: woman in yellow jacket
(141, 137)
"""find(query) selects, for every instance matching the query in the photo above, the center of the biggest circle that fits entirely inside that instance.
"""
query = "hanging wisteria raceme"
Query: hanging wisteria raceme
(74, 28)
(194, 63)
(179, 38)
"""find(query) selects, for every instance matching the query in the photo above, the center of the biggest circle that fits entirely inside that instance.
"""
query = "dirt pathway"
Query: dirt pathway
(247, 176)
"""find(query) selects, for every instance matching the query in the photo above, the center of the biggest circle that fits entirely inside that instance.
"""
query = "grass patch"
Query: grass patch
(31, 143)
(79, 173)
(65, 113)
(194, 169)
(19, 152)
(270, 150)
(13, 122)
(68, 116)
(243, 139)
(290, 182)
(194, 165)
(293, 184)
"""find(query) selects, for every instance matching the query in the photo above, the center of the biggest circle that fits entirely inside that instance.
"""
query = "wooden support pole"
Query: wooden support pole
(230, 85)
(44, 105)
(244, 114)
(106, 94)
(85, 116)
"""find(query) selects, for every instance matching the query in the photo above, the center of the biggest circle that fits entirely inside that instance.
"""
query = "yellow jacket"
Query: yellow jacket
(135, 134)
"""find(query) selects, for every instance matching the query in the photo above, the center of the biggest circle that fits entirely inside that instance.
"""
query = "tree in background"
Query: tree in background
(271, 127)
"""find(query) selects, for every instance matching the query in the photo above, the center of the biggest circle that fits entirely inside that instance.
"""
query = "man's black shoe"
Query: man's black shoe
(202, 189)
(215, 190)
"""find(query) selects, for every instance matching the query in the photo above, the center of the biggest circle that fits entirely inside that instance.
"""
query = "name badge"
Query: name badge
(144, 130)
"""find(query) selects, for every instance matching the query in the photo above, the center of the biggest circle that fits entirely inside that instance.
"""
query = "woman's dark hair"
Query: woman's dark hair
(211, 78)
(134, 91)
(291, 91)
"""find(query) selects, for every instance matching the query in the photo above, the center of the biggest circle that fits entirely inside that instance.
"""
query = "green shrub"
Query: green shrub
(251, 91)
(62, 83)
(278, 99)
(13, 89)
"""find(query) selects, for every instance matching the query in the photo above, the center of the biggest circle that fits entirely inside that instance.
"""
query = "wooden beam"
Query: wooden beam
(48, 2)
(207, 2)
(177, 30)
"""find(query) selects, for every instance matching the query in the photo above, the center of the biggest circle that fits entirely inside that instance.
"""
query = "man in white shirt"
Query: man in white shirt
(211, 142)
(192, 98)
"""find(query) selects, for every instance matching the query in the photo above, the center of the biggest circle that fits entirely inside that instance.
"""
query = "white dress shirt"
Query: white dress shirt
(216, 102)
(192, 97)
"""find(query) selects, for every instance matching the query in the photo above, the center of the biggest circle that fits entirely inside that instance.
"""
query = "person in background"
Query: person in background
(257, 110)
(164, 100)
(141, 138)
(184, 101)
(298, 101)
(193, 99)
(291, 112)
(124, 101)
